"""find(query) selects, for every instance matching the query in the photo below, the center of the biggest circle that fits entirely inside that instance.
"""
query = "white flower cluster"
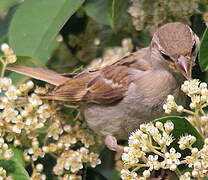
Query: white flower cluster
(149, 146)
(5, 152)
(170, 105)
(149, 149)
(10, 57)
(198, 161)
(25, 119)
(186, 142)
(73, 160)
(3, 175)
(151, 14)
(149, 138)
(23, 115)
(111, 55)
(37, 173)
(198, 92)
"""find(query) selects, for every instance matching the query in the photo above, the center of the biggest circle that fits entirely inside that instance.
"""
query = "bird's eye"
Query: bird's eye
(194, 47)
(166, 57)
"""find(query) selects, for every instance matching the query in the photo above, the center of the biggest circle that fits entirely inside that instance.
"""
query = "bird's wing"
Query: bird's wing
(104, 86)
(41, 74)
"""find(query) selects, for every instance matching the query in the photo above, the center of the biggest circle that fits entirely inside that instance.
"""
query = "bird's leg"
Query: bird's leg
(111, 143)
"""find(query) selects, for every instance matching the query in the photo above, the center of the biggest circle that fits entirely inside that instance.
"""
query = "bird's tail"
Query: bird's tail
(41, 74)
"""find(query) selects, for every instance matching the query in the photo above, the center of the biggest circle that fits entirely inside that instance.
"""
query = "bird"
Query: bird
(116, 99)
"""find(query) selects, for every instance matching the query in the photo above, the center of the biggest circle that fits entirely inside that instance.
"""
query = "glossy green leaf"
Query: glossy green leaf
(17, 78)
(24, 61)
(4, 25)
(183, 127)
(36, 24)
(98, 10)
(27, 61)
(118, 13)
(18, 155)
(203, 52)
(15, 166)
(5, 4)
(107, 12)
(198, 25)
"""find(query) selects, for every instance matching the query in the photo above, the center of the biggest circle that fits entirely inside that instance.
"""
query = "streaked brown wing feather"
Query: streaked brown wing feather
(90, 88)
(103, 87)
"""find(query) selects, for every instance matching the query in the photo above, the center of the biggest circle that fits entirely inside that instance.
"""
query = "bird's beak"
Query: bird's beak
(184, 65)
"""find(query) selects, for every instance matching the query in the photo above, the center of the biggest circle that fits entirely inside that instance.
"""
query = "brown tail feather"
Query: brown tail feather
(50, 97)
(40, 74)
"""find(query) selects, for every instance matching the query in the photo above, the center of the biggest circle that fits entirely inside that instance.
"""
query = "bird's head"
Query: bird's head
(176, 44)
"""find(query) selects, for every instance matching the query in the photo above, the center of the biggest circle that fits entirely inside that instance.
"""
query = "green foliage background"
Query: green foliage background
(33, 28)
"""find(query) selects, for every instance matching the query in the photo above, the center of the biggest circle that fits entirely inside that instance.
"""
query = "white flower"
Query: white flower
(172, 158)
(206, 141)
(35, 100)
(146, 173)
(30, 84)
(170, 105)
(185, 176)
(39, 167)
(4, 47)
(153, 162)
(5, 83)
(186, 142)
(180, 108)
(169, 126)
(12, 93)
(128, 175)
(159, 125)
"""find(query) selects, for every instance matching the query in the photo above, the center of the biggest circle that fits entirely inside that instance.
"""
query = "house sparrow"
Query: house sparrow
(116, 99)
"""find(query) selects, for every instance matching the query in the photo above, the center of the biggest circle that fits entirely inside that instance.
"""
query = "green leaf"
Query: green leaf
(203, 52)
(118, 14)
(107, 12)
(4, 25)
(18, 155)
(15, 166)
(198, 25)
(182, 127)
(98, 10)
(109, 173)
(24, 61)
(36, 24)
(6, 4)
(18, 78)
(28, 61)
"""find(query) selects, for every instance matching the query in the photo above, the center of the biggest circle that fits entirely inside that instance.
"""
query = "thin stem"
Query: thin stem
(4, 64)
(158, 153)
(2, 61)
(155, 147)
(202, 111)
(204, 105)
(189, 112)
(200, 178)
(197, 122)
(3, 70)
(178, 173)
(53, 155)
(138, 167)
